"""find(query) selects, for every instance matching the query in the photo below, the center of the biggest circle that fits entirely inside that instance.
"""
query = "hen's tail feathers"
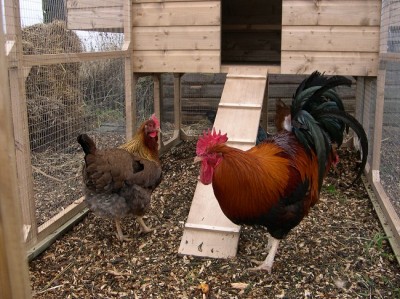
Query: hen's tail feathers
(88, 145)
(319, 119)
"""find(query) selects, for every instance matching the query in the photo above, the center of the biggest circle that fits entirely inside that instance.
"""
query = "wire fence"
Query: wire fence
(390, 148)
(66, 98)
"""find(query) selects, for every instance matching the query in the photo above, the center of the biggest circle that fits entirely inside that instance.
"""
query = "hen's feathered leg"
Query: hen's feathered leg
(144, 228)
(119, 233)
(269, 261)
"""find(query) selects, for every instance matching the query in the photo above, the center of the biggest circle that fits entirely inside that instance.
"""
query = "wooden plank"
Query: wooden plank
(60, 230)
(176, 61)
(206, 211)
(129, 78)
(47, 59)
(208, 232)
(387, 215)
(130, 100)
(20, 123)
(209, 244)
(331, 12)
(176, 38)
(201, 13)
(256, 69)
(96, 18)
(14, 276)
(53, 224)
(330, 38)
(379, 105)
(93, 4)
(240, 105)
(250, 91)
(332, 63)
(238, 127)
(177, 103)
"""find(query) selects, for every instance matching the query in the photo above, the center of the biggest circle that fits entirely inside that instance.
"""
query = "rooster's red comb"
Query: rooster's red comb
(208, 139)
(154, 118)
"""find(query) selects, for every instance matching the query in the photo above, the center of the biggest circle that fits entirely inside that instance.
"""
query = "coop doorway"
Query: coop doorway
(251, 32)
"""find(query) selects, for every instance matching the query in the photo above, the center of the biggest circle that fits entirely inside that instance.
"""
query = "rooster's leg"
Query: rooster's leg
(119, 233)
(144, 228)
(269, 261)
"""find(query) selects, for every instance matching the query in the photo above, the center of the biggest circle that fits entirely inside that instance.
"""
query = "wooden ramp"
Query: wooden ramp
(207, 232)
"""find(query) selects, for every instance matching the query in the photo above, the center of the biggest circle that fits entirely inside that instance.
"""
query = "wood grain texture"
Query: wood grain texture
(332, 63)
(330, 38)
(331, 12)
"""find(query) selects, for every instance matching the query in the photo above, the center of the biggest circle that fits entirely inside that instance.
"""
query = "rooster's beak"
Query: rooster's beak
(197, 159)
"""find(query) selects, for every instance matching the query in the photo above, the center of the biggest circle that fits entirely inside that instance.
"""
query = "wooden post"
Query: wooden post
(156, 93)
(176, 138)
(380, 100)
(20, 120)
(177, 106)
(130, 78)
(14, 278)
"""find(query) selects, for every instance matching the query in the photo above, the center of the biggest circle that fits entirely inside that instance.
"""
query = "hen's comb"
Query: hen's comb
(208, 139)
(155, 119)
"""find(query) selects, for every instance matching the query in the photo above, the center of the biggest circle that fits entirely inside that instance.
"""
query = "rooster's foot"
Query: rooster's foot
(262, 266)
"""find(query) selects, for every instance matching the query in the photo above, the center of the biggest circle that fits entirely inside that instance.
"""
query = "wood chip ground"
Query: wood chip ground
(338, 251)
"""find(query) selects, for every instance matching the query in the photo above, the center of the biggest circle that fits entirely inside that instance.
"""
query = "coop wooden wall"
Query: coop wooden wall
(176, 36)
(335, 36)
(99, 15)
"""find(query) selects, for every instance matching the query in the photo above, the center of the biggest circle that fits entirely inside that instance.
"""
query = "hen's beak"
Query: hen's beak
(197, 159)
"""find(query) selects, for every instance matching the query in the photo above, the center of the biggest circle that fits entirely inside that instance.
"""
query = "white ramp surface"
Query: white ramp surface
(207, 232)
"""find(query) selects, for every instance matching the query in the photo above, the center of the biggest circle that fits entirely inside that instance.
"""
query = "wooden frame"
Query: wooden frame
(390, 220)
(295, 53)
(14, 278)
(20, 119)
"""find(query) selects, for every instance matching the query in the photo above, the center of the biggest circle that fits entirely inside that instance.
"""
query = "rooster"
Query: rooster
(118, 182)
(275, 183)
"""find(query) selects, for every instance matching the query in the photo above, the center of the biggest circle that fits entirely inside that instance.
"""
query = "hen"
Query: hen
(275, 183)
(118, 182)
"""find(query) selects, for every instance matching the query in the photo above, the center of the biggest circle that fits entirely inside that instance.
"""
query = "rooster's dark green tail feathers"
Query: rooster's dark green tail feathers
(326, 116)
(319, 119)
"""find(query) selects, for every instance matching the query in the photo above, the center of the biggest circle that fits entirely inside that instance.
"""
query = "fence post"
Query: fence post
(14, 278)
(20, 121)
(130, 78)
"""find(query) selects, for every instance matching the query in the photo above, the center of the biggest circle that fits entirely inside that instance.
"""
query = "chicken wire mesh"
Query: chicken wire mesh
(389, 167)
(369, 114)
(390, 148)
(66, 98)
(390, 29)
(167, 95)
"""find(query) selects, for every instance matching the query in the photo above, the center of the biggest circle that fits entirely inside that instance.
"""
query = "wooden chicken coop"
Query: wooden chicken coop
(249, 41)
